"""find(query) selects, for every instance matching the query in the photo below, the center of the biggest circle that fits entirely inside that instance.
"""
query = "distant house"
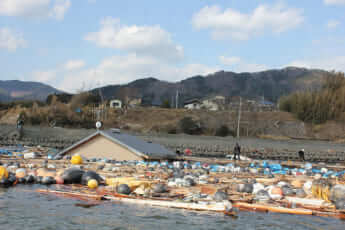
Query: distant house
(192, 104)
(213, 103)
(112, 144)
(266, 105)
(134, 102)
(116, 103)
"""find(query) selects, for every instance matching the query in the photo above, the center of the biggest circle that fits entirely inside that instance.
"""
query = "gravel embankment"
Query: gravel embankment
(200, 145)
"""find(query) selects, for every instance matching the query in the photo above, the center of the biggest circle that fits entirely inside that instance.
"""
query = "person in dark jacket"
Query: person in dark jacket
(237, 151)
(301, 155)
(20, 123)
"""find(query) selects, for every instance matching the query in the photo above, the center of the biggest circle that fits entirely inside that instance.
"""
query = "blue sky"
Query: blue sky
(81, 44)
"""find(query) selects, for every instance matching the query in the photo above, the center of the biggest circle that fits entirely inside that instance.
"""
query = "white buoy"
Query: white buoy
(98, 124)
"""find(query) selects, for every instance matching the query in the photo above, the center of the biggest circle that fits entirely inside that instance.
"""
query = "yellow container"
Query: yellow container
(3, 173)
(76, 160)
(132, 182)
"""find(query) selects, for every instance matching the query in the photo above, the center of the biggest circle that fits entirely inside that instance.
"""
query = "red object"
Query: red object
(59, 180)
(188, 152)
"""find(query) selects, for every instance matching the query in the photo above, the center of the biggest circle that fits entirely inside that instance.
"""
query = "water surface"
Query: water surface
(22, 208)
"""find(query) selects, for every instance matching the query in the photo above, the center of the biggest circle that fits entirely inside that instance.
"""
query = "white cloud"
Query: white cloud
(119, 70)
(35, 8)
(232, 24)
(23, 7)
(74, 64)
(44, 76)
(124, 69)
(11, 40)
(239, 65)
(229, 60)
(142, 40)
(334, 2)
(336, 63)
(60, 8)
(332, 24)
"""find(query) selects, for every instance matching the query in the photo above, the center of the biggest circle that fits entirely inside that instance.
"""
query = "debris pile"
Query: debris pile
(309, 189)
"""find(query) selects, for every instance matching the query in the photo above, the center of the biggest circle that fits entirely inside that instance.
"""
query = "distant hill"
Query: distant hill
(14, 90)
(271, 84)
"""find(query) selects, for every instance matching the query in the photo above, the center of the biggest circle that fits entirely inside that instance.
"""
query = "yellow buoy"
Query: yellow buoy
(76, 160)
(92, 184)
(3, 173)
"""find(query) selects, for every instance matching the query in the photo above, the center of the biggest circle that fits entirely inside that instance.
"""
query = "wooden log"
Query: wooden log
(304, 201)
(224, 207)
(270, 208)
(76, 195)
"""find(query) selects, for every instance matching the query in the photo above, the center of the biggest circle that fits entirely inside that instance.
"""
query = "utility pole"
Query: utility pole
(239, 119)
(177, 99)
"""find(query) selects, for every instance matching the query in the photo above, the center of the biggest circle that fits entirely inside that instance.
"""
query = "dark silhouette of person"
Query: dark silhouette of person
(237, 151)
(301, 155)
(20, 123)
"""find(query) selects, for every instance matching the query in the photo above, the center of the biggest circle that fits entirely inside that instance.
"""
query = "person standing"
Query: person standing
(301, 155)
(237, 151)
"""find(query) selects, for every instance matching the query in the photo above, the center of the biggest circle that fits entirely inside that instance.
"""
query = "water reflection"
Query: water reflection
(22, 208)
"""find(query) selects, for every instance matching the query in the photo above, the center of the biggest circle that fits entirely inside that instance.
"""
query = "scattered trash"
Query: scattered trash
(258, 185)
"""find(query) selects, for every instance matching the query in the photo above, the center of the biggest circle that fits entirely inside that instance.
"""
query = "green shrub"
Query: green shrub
(189, 126)
(223, 131)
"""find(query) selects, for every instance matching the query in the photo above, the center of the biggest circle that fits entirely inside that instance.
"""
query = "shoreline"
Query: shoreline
(210, 146)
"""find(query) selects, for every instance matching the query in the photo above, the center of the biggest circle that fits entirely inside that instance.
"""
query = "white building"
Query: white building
(116, 103)
(213, 103)
(192, 104)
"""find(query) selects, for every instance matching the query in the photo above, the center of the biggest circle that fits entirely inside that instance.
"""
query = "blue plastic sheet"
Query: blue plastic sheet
(316, 170)
(275, 167)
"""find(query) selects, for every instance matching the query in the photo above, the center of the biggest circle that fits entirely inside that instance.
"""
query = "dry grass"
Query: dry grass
(276, 138)
(340, 141)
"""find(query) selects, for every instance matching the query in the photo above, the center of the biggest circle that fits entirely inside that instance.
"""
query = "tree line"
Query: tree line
(318, 106)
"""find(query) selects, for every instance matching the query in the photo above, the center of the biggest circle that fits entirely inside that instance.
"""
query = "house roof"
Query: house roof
(136, 145)
(192, 101)
(266, 102)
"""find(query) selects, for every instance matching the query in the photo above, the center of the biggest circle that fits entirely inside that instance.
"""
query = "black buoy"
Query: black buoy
(89, 175)
(72, 176)
(159, 188)
(248, 188)
(29, 179)
(39, 179)
(48, 180)
(220, 196)
(11, 179)
(123, 189)
(190, 181)
(340, 204)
